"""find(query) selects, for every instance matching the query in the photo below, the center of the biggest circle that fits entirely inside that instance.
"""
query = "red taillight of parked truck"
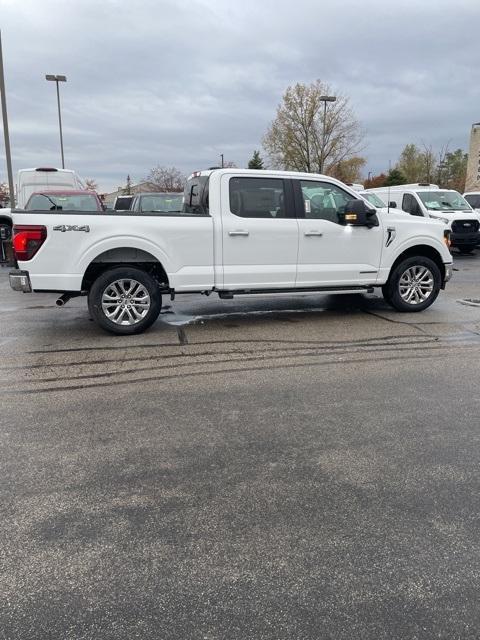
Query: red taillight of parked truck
(27, 240)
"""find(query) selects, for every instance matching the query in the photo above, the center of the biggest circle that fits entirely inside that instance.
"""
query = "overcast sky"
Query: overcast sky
(174, 82)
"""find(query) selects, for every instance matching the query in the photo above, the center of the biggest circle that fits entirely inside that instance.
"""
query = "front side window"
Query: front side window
(443, 201)
(473, 200)
(410, 205)
(324, 201)
(257, 197)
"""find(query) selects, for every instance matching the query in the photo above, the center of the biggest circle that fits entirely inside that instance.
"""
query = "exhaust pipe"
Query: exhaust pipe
(63, 299)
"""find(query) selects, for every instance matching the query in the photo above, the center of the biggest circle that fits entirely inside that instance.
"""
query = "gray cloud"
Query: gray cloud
(178, 83)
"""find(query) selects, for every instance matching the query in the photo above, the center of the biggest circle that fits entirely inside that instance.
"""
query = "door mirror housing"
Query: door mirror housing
(392, 204)
(358, 214)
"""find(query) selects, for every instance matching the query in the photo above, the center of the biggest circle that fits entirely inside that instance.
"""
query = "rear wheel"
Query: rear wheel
(125, 300)
(413, 285)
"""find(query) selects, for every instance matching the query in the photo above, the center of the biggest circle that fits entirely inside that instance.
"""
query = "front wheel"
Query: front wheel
(125, 300)
(413, 285)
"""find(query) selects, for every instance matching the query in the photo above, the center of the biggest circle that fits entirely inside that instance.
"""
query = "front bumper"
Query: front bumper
(20, 281)
(462, 239)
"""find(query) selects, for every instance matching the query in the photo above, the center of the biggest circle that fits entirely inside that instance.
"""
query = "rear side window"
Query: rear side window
(257, 197)
(195, 196)
(123, 203)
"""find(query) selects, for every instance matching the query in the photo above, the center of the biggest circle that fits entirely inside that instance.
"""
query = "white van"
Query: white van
(44, 179)
(473, 199)
(428, 200)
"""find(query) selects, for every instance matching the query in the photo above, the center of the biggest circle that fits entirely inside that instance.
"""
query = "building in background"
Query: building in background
(473, 167)
(141, 187)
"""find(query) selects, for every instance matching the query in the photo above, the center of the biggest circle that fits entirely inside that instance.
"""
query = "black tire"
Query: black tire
(467, 248)
(392, 290)
(130, 318)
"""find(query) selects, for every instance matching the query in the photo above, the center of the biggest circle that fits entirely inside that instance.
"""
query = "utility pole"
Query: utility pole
(11, 188)
(57, 79)
(221, 155)
(324, 99)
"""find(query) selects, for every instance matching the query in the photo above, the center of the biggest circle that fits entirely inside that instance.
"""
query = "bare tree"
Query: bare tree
(91, 184)
(169, 179)
(304, 135)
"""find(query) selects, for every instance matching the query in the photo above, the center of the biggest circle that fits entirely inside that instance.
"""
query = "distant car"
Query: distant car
(473, 199)
(64, 201)
(157, 203)
(122, 203)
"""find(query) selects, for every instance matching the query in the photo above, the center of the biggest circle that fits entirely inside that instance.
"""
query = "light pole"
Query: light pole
(58, 79)
(324, 99)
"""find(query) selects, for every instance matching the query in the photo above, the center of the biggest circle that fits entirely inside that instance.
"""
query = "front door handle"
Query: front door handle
(313, 233)
(239, 232)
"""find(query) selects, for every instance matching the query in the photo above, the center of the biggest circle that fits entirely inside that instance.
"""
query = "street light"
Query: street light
(324, 99)
(57, 79)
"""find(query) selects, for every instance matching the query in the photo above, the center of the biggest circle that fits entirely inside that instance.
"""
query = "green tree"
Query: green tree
(348, 170)
(452, 172)
(417, 165)
(256, 161)
(410, 163)
(394, 177)
(309, 134)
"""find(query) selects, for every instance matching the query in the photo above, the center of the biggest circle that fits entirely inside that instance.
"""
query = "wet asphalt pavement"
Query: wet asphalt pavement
(260, 468)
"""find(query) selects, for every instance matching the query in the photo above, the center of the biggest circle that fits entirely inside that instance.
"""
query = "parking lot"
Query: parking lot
(284, 467)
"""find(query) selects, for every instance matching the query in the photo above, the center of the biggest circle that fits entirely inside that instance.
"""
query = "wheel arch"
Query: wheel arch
(424, 250)
(123, 257)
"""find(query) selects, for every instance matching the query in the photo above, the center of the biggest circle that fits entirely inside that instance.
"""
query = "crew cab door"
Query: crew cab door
(259, 233)
(331, 253)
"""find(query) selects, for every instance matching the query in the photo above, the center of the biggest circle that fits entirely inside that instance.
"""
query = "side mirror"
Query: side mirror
(392, 204)
(357, 213)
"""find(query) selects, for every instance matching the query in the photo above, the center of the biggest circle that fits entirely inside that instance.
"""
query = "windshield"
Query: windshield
(374, 199)
(53, 202)
(167, 202)
(443, 201)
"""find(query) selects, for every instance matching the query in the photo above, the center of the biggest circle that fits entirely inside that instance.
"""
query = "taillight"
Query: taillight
(27, 240)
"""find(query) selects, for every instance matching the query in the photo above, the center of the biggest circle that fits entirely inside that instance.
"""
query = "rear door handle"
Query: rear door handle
(313, 233)
(239, 232)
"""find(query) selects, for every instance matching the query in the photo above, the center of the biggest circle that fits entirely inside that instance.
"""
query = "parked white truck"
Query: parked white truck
(430, 201)
(240, 231)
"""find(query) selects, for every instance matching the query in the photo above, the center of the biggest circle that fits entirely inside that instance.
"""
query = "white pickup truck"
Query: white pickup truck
(239, 231)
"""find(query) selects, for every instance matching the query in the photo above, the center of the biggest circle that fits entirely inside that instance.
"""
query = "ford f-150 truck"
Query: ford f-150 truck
(239, 231)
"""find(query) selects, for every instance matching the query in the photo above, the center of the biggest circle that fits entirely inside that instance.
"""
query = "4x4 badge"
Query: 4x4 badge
(71, 227)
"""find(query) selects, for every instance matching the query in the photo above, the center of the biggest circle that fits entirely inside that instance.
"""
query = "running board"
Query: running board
(228, 295)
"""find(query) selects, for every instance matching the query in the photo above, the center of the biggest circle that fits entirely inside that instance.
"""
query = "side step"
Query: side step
(228, 295)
